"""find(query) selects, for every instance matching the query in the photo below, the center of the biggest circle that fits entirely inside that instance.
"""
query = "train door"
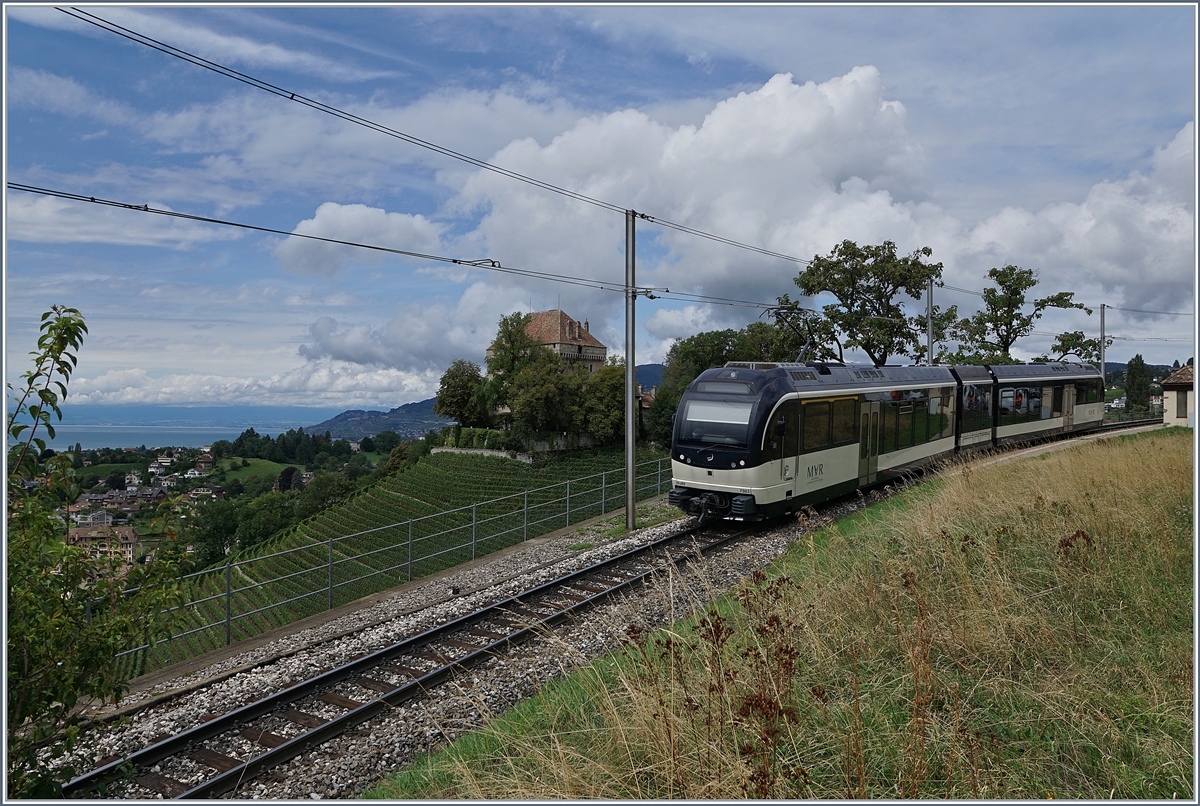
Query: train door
(1068, 406)
(868, 442)
(791, 439)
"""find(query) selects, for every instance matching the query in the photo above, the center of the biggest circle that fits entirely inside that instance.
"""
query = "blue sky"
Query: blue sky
(1056, 138)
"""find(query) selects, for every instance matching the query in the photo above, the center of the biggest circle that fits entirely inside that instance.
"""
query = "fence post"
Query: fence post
(568, 502)
(658, 486)
(526, 532)
(410, 549)
(474, 520)
(330, 573)
(603, 490)
(228, 589)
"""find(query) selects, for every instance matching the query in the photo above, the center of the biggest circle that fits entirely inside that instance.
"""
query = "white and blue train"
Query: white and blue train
(756, 440)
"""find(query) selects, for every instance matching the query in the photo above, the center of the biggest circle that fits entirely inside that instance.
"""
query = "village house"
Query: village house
(1179, 398)
(99, 517)
(116, 542)
(133, 478)
(204, 462)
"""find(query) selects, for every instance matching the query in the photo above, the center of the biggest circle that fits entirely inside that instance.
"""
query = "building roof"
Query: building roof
(1182, 377)
(555, 327)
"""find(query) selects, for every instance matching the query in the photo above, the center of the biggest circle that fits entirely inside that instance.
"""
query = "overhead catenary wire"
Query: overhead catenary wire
(265, 86)
(486, 264)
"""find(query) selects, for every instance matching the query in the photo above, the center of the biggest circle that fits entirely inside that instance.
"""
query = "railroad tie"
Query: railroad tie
(570, 597)
(436, 657)
(583, 586)
(162, 784)
(494, 636)
(459, 644)
(306, 720)
(340, 701)
(262, 737)
(396, 668)
(373, 685)
(211, 758)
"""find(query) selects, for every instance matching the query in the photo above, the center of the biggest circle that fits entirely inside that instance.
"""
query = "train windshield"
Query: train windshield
(722, 422)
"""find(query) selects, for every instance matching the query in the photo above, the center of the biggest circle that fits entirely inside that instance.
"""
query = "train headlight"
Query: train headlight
(742, 462)
(733, 464)
(682, 458)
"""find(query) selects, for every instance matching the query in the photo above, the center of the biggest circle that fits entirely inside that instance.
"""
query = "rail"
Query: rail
(245, 598)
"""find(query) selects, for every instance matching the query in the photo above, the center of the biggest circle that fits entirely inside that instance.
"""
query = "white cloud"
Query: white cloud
(201, 40)
(360, 224)
(45, 219)
(314, 383)
(42, 90)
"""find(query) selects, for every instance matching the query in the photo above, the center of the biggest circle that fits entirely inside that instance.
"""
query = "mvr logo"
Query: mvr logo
(816, 471)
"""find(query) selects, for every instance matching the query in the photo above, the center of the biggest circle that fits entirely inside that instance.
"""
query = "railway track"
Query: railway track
(232, 748)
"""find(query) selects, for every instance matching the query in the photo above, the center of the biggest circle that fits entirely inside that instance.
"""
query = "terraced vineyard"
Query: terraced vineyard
(445, 510)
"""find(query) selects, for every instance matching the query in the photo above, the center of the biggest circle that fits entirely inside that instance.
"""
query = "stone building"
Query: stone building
(570, 339)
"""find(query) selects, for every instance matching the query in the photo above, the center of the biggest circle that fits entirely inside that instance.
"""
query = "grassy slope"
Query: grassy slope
(1019, 631)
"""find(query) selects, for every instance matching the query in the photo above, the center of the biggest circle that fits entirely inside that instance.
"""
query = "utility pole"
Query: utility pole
(1103, 374)
(630, 376)
(929, 325)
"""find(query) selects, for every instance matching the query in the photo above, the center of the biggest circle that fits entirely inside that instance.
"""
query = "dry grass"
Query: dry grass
(1016, 631)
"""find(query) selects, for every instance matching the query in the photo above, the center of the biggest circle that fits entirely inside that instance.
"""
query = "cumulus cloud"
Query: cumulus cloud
(360, 224)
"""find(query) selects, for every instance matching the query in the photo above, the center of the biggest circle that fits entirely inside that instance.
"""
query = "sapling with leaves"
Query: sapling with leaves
(70, 613)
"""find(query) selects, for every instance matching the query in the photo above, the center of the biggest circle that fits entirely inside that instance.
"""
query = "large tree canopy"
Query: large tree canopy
(456, 395)
(512, 351)
(988, 336)
(866, 281)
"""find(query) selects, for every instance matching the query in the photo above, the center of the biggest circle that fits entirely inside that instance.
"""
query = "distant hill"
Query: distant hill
(649, 374)
(409, 420)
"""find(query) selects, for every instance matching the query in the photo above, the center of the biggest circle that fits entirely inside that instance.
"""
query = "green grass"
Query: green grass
(1018, 631)
(257, 467)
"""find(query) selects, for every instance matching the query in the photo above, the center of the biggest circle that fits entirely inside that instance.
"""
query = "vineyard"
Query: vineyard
(447, 509)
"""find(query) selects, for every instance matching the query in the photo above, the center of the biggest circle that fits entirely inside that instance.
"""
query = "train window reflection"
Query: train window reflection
(816, 426)
(724, 422)
(843, 420)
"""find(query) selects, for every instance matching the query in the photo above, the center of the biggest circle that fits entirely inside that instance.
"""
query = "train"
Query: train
(756, 440)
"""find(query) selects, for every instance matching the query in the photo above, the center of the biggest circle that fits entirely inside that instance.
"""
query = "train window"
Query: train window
(844, 412)
(1058, 402)
(947, 416)
(724, 388)
(791, 438)
(717, 421)
(773, 436)
(887, 429)
(904, 429)
(816, 426)
(977, 408)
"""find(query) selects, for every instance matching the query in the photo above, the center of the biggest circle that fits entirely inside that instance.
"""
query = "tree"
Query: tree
(68, 612)
(866, 280)
(547, 396)
(512, 351)
(1077, 344)
(286, 478)
(366, 445)
(456, 397)
(115, 481)
(604, 403)
(211, 530)
(386, 441)
(987, 337)
(324, 491)
(1137, 383)
(264, 517)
